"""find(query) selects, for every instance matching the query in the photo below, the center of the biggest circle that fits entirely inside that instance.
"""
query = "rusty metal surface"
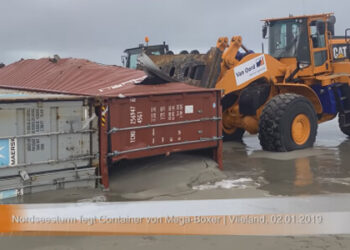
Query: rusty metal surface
(161, 124)
(81, 77)
(69, 76)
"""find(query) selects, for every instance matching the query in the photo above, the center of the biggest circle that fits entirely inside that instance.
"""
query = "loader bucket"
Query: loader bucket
(200, 70)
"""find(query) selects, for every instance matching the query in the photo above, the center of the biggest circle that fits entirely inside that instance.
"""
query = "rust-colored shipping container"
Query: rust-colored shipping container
(141, 126)
(135, 120)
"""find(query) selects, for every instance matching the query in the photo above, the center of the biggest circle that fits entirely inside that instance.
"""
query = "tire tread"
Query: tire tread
(269, 125)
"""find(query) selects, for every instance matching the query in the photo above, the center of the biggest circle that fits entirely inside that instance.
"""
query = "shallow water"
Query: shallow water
(325, 168)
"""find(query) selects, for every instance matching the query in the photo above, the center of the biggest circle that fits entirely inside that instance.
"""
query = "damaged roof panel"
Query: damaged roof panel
(70, 76)
(80, 77)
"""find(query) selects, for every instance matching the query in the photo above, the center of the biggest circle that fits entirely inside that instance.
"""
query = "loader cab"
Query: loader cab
(130, 59)
(303, 41)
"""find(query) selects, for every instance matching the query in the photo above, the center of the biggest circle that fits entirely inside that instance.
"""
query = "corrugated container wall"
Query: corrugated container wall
(46, 142)
(141, 126)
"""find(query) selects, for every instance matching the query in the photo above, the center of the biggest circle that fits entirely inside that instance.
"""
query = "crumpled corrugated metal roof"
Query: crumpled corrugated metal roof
(80, 77)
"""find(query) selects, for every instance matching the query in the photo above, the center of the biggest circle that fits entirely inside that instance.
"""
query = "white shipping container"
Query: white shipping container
(46, 141)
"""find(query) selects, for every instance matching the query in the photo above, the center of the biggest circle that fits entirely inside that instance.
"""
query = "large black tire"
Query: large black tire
(235, 136)
(276, 122)
(345, 130)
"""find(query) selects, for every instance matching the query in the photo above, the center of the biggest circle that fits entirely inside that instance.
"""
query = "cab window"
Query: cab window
(318, 37)
(317, 30)
(289, 39)
(133, 61)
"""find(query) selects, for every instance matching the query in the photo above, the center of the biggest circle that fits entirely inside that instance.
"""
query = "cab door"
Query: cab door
(320, 56)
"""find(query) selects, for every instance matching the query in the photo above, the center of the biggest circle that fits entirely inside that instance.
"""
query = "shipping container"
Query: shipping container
(47, 141)
(135, 120)
(154, 123)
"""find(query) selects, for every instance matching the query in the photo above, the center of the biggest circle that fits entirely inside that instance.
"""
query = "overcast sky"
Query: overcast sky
(100, 30)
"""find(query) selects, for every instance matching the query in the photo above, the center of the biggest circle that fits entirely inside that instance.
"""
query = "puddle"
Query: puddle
(241, 183)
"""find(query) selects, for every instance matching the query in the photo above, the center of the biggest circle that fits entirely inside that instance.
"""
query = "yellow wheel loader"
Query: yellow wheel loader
(283, 95)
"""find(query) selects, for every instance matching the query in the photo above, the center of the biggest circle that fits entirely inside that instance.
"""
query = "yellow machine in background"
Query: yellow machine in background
(283, 95)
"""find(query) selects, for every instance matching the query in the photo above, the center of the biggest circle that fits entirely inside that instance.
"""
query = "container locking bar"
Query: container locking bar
(50, 134)
(115, 130)
(77, 158)
(117, 153)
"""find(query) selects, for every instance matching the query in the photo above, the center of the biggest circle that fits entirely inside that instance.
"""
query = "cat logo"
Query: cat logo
(339, 51)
